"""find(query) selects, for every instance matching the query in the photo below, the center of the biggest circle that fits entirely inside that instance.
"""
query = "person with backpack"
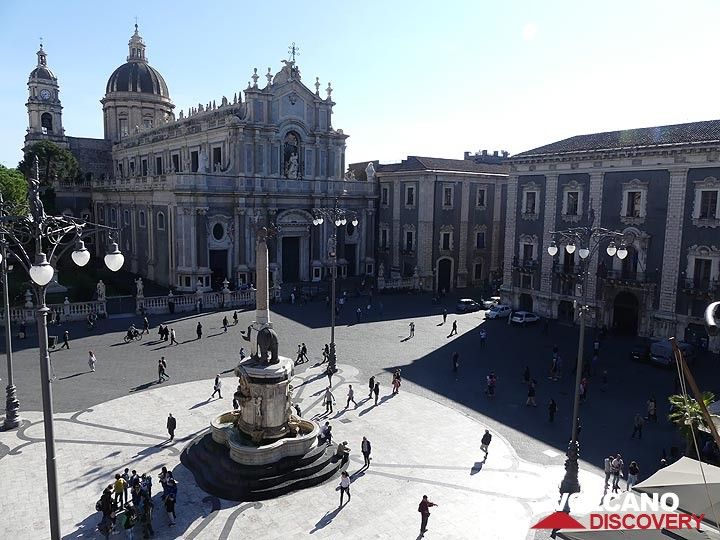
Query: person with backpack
(129, 519)
(424, 509)
(485, 442)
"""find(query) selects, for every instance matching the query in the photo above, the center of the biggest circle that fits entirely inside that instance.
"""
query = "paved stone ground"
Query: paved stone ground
(419, 447)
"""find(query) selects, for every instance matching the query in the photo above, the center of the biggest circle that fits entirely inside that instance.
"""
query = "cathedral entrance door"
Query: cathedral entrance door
(290, 259)
(219, 267)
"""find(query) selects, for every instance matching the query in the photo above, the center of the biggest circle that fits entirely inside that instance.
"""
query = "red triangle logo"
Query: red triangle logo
(558, 520)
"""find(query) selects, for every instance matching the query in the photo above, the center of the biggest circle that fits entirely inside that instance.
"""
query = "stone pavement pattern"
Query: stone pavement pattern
(419, 447)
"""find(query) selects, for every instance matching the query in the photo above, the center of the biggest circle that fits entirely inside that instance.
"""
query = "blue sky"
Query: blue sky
(410, 77)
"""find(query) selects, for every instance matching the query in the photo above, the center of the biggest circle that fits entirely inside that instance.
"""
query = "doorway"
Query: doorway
(625, 313)
(291, 259)
(444, 275)
(218, 267)
(526, 302)
(351, 258)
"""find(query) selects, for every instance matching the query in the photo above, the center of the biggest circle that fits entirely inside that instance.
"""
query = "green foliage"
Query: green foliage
(54, 161)
(13, 187)
(688, 415)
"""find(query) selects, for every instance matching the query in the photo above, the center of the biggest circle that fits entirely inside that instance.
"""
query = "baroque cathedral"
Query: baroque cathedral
(187, 191)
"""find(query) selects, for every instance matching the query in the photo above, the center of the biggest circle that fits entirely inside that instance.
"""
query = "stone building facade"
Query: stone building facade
(659, 186)
(442, 219)
(188, 191)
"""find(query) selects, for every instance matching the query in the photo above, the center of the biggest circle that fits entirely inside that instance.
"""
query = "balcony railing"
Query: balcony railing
(525, 265)
(628, 278)
(700, 287)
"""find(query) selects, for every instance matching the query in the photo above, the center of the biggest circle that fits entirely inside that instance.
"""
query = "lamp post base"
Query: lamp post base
(570, 482)
(332, 360)
(12, 405)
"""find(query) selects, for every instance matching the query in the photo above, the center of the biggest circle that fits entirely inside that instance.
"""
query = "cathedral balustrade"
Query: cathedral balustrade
(189, 302)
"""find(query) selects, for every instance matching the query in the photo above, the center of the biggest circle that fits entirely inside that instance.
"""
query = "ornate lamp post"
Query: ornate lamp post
(587, 241)
(31, 240)
(337, 217)
(12, 419)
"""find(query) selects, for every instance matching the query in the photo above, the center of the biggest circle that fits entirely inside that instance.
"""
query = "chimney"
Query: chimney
(484, 152)
(467, 155)
(495, 153)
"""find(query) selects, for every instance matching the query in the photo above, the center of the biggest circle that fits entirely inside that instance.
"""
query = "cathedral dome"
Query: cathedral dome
(137, 77)
(42, 72)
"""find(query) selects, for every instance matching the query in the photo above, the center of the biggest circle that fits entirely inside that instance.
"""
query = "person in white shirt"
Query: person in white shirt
(344, 486)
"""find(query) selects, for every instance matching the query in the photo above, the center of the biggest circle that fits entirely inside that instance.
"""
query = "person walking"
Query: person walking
(632, 476)
(329, 399)
(329, 373)
(161, 370)
(91, 360)
(491, 382)
(376, 391)
(396, 382)
(371, 385)
(652, 409)
(412, 329)
(119, 489)
(66, 340)
(344, 486)
(366, 448)
(607, 465)
(637, 426)
(424, 509)
(483, 337)
(303, 353)
(146, 325)
(326, 353)
(242, 353)
(225, 324)
(235, 318)
(454, 329)
(173, 340)
(350, 397)
(298, 356)
(552, 409)
(531, 395)
(171, 426)
(444, 314)
(485, 442)
(456, 361)
(217, 387)
(198, 330)
(616, 467)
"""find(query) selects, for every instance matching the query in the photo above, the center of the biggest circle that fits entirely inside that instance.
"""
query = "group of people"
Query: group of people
(128, 501)
(166, 333)
(614, 469)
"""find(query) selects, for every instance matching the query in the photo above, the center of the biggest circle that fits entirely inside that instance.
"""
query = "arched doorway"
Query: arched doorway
(566, 311)
(526, 302)
(444, 274)
(625, 313)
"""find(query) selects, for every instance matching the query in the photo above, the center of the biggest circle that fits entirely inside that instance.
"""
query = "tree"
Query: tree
(54, 162)
(13, 187)
(688, 416)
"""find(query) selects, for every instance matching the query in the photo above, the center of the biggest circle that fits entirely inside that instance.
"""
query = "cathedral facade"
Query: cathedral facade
(187, 191)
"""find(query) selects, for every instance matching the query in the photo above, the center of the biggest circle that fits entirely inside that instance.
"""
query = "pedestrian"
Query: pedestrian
(326, 353)
(444, 314)
(617, 466)
(91, 360)
(170, 509)
(652, 409)
(412, 329)
(146, 325)
(637, 426)
(424, 509)
(632, 476)
(358, 314)
(552, 409)
(303, 353)
(526, 375)
(325, 434)
(343, 452)
(329, 399)
(198, 330)
(119, 489)
(329, 373)
(371, 385)
(126, 476)
(531, 395)
(171, 425)
(344, 486)
(217, 386)
(292, 297)
(242, 353)
(161, 332)
(607, 465)
(298, 356)
(485, 442)
(553, 368)
(366, 448)
(483, 337)
(350, 397)
(456, 361)
(454, 329)
(161, 370)
(129, 519)
(376, 391)
(146, 514)
(66, 340)
(491, 382)
(173, 340)
(225, 324)
(235, 318)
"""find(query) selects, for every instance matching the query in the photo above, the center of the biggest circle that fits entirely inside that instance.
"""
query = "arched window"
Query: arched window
(141, 218)
(46, 121)
(161, 221)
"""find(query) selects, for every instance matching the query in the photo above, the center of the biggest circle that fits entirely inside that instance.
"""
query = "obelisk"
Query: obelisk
(262, 294)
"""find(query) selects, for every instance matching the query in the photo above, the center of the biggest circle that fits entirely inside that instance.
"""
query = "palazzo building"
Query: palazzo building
(660, 186)
(188, 190)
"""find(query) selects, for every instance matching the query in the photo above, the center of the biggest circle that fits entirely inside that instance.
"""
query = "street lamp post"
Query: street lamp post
(589, 239)
(30, 239)
(338, 217)
(12, 405)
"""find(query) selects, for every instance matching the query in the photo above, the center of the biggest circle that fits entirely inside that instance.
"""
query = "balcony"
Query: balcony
(628, 278)
(525, 266)
(700, 288)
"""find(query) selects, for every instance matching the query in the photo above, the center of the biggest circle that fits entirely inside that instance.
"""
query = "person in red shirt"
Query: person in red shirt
(424, 509)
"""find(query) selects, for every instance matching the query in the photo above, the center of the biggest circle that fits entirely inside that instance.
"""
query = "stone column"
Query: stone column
(496, 248)
(551, 188)
(149, 223)
(596, 196)
(396, 240)
(462, 270)
(673, 241)
(425, 236)
(262, 300)
(510, 223)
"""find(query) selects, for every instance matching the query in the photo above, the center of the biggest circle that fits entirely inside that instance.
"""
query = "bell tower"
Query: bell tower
(43, 105)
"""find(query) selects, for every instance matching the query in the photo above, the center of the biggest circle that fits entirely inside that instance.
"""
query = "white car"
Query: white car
(493, 301)
(498, 312)
(524, 317)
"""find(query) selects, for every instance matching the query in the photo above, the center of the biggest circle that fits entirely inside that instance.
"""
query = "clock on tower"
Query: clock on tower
(45, 94)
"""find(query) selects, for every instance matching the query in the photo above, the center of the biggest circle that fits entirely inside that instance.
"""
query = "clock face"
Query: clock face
(45, 94)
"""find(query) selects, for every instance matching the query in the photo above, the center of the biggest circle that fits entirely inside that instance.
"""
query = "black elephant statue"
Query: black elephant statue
(267, 344)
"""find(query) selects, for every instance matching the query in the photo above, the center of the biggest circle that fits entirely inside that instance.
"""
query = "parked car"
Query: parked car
(467, 305)
(524, 317)
(660, 353)
(498, 312)
(492, 301)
